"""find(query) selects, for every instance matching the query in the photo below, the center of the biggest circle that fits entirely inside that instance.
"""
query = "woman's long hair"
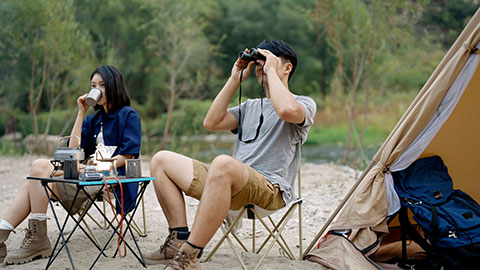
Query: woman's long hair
(115, 89)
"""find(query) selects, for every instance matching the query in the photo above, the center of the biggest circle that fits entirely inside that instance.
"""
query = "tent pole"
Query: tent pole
(339, 207)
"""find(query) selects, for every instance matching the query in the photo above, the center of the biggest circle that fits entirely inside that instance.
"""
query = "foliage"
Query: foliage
(8, 148)
(187, 119)
(177, 54)
(338, 135)
(444, 20)
(360, 32)
(51, 44)
(244, 24)
(115, 28)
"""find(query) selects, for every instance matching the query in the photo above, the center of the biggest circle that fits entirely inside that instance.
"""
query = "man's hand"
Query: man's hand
(241, 66)
(273, 62)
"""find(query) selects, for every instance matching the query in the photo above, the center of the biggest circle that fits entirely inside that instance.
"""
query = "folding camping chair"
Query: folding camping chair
(103, 197)
(253, 213)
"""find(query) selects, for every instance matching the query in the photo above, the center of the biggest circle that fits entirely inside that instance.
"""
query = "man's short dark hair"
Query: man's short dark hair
(281, 49)
(115, 89)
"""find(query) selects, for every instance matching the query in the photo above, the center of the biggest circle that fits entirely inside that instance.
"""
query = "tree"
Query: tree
(177, 40)
(53, 47)
(445, 19)
(358, 31)
(243, 23)
(118, 39)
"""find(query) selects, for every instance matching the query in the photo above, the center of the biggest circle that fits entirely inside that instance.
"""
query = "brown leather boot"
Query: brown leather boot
(185, 259)
(3, 248)
(35, 244)
(166, 252)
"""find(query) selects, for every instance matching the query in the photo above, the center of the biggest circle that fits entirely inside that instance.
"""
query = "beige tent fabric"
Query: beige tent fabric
(365, 208)
(332, 254)
(458, 143)
(367, 205)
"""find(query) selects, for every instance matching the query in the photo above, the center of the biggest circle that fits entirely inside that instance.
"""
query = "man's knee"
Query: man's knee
(224, 169)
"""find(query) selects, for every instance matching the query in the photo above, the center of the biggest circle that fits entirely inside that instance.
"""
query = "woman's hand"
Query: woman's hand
(242, 66)
(82, 106)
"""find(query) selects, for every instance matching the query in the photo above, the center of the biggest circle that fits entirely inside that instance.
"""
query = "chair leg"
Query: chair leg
(283, 240)
(238, 240)
(254, 235)
(144, 217)
(104, 211)
(225, 235)
(275, 234)
(274, 240)
(300, 233)
(283, 222)
(234, 249)
(271, 232)
(91, 217)
(91, 232)
(95, 221)
(137, 229)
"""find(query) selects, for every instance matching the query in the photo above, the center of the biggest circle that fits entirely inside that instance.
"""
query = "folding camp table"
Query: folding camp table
(80, 188)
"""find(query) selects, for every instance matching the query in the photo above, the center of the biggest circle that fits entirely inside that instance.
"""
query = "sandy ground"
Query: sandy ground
(323, 187)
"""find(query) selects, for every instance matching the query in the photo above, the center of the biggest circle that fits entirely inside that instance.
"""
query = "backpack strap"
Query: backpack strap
(467, 204)
(434, 225)
(406, 228)
(410, 229)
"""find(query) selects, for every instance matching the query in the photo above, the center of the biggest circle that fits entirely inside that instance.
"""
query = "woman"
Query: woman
(115, 123)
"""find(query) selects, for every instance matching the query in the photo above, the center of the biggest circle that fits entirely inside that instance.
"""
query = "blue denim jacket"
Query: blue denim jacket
(121, 128)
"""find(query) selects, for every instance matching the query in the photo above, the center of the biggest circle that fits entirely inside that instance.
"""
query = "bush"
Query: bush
(25, 121)
(187, 119)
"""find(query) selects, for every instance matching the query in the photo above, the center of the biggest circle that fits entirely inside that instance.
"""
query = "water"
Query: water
(329, 153)
(318, 154)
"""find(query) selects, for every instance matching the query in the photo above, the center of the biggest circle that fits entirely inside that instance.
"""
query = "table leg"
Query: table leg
(64, 242)
(77, 225)
(138, 199)
(116, 231)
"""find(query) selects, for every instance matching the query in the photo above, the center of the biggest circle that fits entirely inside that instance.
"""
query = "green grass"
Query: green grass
(13, 149)
(338, 136)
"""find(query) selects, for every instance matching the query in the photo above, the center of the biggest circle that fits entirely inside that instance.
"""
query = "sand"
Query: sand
(323, 187)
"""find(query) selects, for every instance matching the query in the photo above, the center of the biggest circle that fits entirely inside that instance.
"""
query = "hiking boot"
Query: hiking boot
(3, 248)
(185, 259)
(166, 252)
(35, 244)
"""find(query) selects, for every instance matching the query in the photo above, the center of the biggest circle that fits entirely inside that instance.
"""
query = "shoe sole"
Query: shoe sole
(38, 255)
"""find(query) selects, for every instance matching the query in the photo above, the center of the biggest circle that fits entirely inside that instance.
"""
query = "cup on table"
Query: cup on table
(133, 168)
(93, 97)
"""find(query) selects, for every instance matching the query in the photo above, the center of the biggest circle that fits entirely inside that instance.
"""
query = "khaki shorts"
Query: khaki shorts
(258, 189)
(66, 192)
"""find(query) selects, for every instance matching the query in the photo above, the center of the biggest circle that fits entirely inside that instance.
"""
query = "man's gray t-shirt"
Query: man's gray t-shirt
(276, 152)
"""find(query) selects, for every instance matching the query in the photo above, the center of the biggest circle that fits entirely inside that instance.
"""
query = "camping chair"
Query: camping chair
(103, 197)
(253, 213)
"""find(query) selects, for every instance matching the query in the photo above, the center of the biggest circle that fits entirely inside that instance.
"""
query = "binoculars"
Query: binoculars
(252, 55)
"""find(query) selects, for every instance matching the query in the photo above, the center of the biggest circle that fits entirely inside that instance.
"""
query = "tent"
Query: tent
(444, 120)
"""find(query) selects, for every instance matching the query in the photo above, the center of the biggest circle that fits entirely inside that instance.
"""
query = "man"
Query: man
(263, 166)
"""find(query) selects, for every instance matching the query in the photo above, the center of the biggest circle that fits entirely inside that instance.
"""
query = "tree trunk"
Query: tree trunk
(34, 101)
(171, 103)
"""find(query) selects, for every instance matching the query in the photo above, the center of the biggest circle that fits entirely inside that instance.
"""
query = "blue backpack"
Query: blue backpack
(450, 218)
